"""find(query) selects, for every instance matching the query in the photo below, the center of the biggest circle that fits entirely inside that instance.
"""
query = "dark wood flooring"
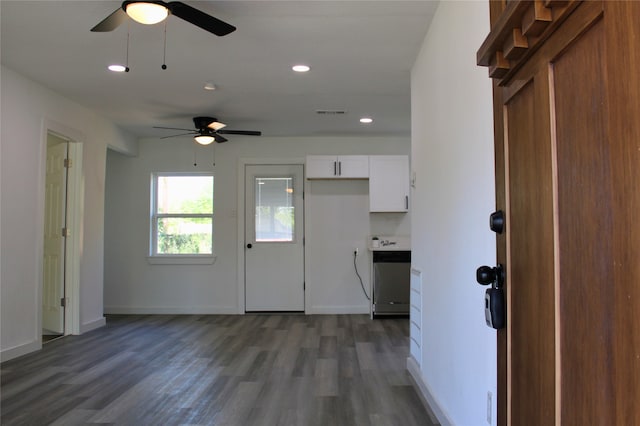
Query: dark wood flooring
(240, 370)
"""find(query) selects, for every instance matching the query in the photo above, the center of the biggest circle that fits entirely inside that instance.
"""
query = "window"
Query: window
(274, 209)
(182, 215)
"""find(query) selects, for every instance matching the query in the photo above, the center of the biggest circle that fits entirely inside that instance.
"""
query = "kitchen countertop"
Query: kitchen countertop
(391, 247)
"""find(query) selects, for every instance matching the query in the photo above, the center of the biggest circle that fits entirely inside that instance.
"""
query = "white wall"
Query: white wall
(28, 111)
(336, 221)
(452, 155)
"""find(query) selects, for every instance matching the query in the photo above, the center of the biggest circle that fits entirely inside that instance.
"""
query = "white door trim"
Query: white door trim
(242, 162)
(75, 202)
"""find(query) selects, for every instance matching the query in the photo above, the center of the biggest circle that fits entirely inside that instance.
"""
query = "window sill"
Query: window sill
(181, 260)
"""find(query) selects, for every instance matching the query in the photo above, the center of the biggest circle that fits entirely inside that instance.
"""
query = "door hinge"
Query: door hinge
(68, 163)
(304, 285)
(63, 302)
(66, 232)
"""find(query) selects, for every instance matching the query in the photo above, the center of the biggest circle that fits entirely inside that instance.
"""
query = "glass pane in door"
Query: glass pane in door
(274, 209)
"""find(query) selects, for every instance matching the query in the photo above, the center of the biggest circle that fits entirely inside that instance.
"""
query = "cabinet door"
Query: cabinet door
(322, 167)
(388, 183)
(337, 167)
(353, 166)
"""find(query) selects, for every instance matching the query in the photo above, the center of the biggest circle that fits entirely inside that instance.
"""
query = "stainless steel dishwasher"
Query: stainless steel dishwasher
(391, 282)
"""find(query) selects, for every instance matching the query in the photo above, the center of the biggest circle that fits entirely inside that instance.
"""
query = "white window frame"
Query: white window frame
(160, 258)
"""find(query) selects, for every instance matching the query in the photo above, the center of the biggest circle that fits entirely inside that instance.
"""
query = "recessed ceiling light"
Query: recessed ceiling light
(366, 120)
(300, 68)
(209, 86)
(117, 68)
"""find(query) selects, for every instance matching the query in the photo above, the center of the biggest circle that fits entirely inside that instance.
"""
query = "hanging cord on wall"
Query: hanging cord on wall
(355, 266)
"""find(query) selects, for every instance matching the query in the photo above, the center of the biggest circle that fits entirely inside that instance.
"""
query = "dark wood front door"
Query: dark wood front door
(567, 119)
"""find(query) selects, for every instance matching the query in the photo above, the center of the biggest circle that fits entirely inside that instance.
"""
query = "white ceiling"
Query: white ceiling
(361, 53)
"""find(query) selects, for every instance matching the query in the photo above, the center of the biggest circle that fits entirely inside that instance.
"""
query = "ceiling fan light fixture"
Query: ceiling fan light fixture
(147, 13)
(204, 139)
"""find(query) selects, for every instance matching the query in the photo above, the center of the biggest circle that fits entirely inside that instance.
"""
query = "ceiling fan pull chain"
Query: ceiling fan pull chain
(126, 65)
(213, 150)
(164, 53)
(195, 162)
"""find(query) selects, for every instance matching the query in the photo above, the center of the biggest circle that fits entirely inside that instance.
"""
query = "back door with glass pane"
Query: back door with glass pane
(274, 251)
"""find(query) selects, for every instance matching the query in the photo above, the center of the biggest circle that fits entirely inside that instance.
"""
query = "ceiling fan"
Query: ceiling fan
(152, 12)
(208, 130)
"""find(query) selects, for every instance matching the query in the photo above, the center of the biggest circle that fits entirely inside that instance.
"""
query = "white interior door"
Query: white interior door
(274, 248)
(54, 242)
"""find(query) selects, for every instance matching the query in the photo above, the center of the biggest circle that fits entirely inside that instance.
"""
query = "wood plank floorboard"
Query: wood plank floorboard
(220, 370)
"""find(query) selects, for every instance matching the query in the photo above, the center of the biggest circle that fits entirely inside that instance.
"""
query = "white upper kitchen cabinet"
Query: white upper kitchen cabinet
(388, 183)
(337, 167)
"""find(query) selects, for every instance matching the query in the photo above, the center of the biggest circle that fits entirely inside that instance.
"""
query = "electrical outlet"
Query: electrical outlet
(489, 406)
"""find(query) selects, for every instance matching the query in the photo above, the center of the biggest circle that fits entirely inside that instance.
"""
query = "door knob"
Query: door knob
(249, 245)
(486, 275)
(496, 221)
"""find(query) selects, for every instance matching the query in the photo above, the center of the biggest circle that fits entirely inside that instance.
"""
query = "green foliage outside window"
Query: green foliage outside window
(172, 239)
(177, 198)
(285, 216)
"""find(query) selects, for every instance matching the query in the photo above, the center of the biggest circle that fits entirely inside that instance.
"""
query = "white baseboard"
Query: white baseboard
(436, 413)
(92, 325)
(337, 310)
(16, 351)
(171, 310)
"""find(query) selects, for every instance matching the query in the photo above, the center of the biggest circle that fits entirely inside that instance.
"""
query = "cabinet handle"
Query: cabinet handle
(340, 168)
(406, 202)
(335, 168)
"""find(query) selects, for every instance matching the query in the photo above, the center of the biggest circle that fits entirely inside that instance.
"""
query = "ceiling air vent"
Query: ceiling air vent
(330, 112)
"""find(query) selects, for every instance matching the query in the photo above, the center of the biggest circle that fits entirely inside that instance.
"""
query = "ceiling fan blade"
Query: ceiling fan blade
(181, 134)
(240, 132)
(200, 19)
(219, 138)
(173, 128)
(111, 22)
